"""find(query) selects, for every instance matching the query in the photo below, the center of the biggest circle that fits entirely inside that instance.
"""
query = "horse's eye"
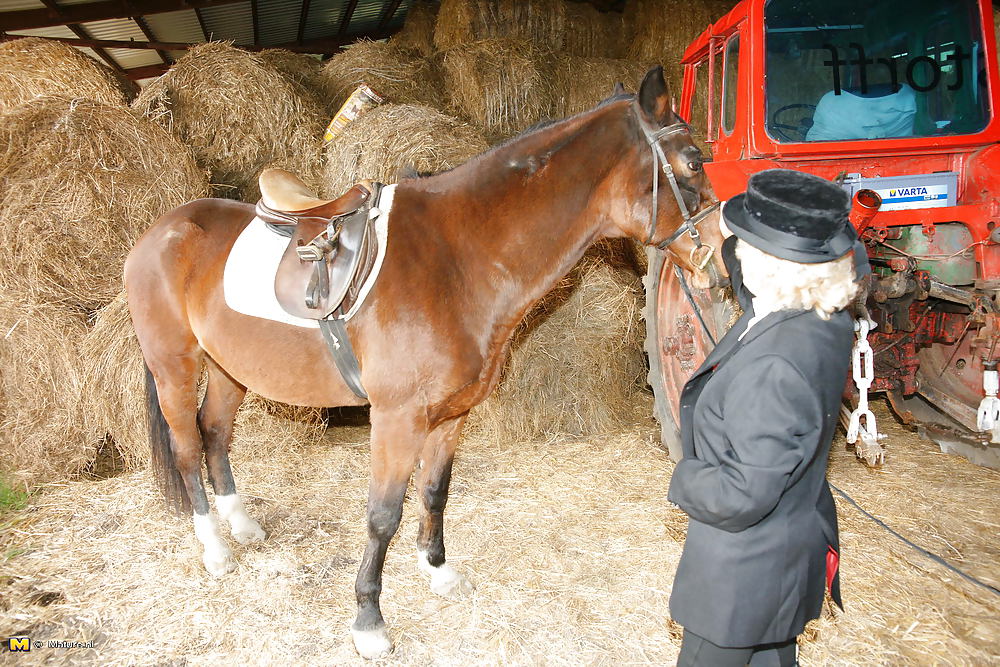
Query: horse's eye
(694, 165)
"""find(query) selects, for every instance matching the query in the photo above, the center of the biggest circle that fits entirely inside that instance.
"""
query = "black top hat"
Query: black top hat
(793, 215)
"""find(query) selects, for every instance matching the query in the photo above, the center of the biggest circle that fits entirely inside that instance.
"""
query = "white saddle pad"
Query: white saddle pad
(248, 279)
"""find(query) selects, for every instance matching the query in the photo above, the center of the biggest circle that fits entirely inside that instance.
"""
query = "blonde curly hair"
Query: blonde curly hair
(825, 287)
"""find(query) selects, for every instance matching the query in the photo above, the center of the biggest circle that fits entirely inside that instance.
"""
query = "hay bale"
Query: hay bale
(114, 396)
(79, 183)
(501, 85)
(35, 67)
(576, 365)
(580, 83)
(463, 21)
(394, 136)
(113, 399)
(41, 389)
(400, 75)
(418, 31)
(301, 68)
(594, 34)
(238, 114)
(663, 32)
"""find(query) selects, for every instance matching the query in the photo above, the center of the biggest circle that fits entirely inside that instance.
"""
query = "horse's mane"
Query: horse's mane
(410, 172)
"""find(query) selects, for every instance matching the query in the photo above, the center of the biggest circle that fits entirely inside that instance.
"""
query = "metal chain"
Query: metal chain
(863, 365)
(988, 414)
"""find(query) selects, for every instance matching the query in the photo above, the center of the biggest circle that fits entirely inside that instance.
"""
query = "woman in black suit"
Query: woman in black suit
(757, 420)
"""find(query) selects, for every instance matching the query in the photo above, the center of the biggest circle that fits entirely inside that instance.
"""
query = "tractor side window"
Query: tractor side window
(729, 84)
(864, 70)
(699, 107)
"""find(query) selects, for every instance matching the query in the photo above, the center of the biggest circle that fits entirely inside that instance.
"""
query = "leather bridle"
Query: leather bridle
(702, 253)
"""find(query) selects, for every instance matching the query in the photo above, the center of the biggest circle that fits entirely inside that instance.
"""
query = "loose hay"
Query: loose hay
(463, 21)
(576, 363)
(418, 31)
(501, 85)
(36, 67)
(238, 114)
(79, 183)
(580, 83)
(571, 544)
(399, 75)
(391, 137)
(41, 390)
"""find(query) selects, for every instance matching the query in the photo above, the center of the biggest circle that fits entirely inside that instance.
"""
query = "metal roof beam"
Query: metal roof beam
(389, 13)
(102, 10)
(201, 24)
(303, 17)
(147, 72)
(324, 45)
(346, 18)
(144, 27)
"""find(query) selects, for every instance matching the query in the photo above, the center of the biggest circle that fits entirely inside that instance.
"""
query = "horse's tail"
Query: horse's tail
(168, 478)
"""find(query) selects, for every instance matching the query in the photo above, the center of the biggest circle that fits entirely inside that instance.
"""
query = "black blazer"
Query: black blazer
(757, 420)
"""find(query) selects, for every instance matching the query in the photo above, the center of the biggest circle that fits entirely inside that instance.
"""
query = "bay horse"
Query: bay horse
(470, 251)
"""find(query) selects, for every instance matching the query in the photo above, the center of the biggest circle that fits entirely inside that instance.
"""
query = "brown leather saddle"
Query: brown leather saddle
(332, 243)
(331, 250)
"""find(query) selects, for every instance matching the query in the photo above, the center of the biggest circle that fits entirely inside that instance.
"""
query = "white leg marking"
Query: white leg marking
(446, 581)
(245, 530)
(372, 644)
(217, 557)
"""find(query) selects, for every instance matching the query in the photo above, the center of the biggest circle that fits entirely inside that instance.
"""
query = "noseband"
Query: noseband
(702, 253)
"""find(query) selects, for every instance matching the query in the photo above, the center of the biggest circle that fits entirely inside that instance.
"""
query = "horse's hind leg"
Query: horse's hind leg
(432, 488)
(223, 397)
(176, 377)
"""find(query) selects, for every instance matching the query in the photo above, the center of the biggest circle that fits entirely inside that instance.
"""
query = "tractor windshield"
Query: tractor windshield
(874, 69)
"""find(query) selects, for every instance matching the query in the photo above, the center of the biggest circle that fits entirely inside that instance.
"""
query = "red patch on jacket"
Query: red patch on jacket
(832, 563)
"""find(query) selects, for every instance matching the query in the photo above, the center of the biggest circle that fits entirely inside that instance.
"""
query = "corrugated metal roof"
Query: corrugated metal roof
(324, 18)
(366, 17)
(14, 5)
(54, 31)
(229, 22)
(114, 29)
(179, 26)
(278, 23)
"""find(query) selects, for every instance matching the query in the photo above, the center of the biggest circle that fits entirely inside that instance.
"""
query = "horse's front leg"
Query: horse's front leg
(432, 488)
(396, 441)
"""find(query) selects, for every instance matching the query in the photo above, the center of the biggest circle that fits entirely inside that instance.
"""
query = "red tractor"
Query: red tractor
(893, 99)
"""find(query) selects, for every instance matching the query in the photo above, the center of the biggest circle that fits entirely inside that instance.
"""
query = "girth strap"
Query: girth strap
(335, 334)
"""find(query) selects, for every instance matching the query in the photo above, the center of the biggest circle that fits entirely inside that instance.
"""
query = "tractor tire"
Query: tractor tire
(675, 343)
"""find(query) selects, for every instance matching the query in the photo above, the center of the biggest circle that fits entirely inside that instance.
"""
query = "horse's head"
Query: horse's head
(670, 200)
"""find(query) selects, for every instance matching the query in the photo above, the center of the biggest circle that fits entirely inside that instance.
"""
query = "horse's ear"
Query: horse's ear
(619, 89)
(654, 96)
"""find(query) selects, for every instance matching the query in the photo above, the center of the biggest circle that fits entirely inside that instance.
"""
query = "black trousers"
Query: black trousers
(699, 652)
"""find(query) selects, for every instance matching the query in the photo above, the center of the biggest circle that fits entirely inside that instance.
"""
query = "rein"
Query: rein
(690, 224)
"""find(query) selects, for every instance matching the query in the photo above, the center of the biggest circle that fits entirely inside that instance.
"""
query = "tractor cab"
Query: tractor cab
(811, 78)
(896, 100)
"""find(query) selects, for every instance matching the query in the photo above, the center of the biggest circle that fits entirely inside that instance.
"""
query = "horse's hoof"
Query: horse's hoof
(250, 533)
(447, 582)
(219, 564)
(372, 644)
